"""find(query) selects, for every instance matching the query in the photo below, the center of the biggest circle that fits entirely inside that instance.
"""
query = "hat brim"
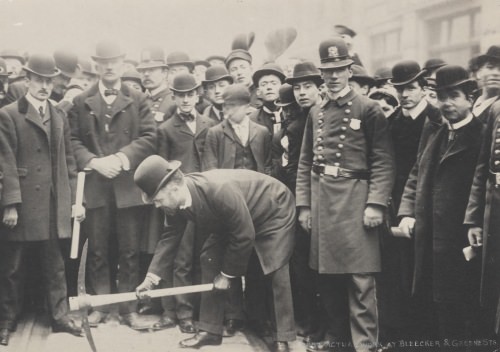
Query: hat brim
(225, 77)
(364, 80)
(20, 58)
(104, 58)
(69, 74)
(402, 83)
(481, 59)
(434, 67)
(185, 90)
(51, 75)
(152, 64)
(336, 64)
(315, 78)
(189, 64)
(175, 164)
(466, 82)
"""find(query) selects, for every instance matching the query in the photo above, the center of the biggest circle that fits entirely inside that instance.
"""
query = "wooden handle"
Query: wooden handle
(75, 238)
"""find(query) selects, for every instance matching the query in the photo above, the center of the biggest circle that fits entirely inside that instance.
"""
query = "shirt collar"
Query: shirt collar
(462, 123)
(189, 199)
(159, 89)
(340, 94)
(192, 112)
(102, 88)
(37, 103)
(482, 104)
(417, 109)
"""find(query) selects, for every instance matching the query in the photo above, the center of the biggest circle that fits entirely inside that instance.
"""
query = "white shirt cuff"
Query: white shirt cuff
(228, 276)
(125, 162)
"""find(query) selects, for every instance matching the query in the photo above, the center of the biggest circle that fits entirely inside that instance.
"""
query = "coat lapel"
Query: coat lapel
(252, 131)
(93, 101)
(121, 102)
(32, 116)
(181, 125)
(461, 142)
(227, 130)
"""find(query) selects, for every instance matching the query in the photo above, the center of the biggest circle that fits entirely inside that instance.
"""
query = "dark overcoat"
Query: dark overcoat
(220, 147)
(131, 130)
(351, 133)
(39, 171)
(436, 195)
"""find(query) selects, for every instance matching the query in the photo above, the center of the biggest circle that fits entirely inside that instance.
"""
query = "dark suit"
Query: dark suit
(39, 179)
(210, 112)
(114, 205)
(239, 211)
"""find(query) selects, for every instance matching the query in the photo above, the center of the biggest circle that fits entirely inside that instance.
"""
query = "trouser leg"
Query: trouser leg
(11, 266)
(282, 305)
(183, 272)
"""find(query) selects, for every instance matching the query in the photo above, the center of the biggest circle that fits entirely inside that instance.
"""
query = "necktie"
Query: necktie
(221, 116)
(108, 92)
(40, 110)
(187, 117)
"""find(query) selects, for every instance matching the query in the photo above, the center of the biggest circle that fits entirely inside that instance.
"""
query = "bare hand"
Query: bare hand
(374, 216)
(475, 235)
(109, 166)
(10, 216)
(142, 290)
(305, 218)
(407, 225)
(78, 212)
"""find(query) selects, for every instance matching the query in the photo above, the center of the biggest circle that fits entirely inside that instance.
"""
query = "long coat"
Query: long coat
(220, 147)
(177, 142)
(484, 207)
(436, 195)
(252, 209)
(350, 133)
(39, 171)
(131, 131)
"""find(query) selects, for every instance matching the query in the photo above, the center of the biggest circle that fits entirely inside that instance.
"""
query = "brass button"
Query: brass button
(343, 128)
(320, 121)
(497, 162)
(338, 155)
(347, 111)
(349, 103)
(319, 130)
(321, 157)
(342, 137)
(497, 140)
(341, 146)
(320, 148)
(336, 164)
(320, 114)
(319, 139)
(497, 151)
(345, 119)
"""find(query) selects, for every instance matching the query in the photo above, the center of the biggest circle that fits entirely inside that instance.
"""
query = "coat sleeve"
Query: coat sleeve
(11, 194)
(82, 154)
(209, 160)
(145, 143)
(474, 215)
(407, 205)
(380, 156)
(70, 159)
(163, 142)
(303, 189)
(268, 157)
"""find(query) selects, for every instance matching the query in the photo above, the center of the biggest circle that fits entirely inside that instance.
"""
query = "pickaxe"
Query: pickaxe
(84, 301)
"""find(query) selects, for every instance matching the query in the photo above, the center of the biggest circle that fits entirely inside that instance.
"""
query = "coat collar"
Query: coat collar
(94, 99)
(31, 115)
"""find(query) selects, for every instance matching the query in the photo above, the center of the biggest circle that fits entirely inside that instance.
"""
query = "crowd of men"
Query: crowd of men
(391, 237)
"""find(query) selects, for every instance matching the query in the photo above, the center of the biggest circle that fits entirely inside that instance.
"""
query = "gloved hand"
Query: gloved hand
(147, 285)
(221, 283)
(475, 235)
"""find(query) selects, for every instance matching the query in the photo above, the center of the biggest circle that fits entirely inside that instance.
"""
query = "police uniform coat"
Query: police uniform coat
(131, 131)
(220, 147)
(351, 133)
(436, 195)
(162, 105)
(39, 168)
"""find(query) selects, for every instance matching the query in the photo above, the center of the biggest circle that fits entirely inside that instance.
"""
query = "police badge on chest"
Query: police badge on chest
(355, 124)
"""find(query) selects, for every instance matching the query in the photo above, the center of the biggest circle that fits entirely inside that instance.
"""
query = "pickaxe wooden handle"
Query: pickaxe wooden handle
(82, 302)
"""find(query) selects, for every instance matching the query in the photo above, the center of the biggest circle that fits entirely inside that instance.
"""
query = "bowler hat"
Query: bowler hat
(405, 72)
(237, 93)
(382, 92)
(180, 58)
(66, 62)
(305, 71)
(184, 82)
(382, 74)
(333, 53)
(107, 50)
(238, 54)
(432, 65)
(286, 96)
(217, 73)
(87, 67)
(12, 54)
(131, 75)
(270, 68)
(152, 57)
(153, 173)
(359, 74)
(341, 29)
(451, 76)
(3, 68)
(199, 62)
(493, 54)
(42, 65)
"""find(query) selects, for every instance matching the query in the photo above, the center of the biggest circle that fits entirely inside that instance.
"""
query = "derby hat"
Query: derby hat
(67, 63)
(184, 82)
(152, 57)
(452, 76)
(42, 65)
(333, 53)
(433, 64)
(382, 92)
(341, 29)
(152, 174)
(270, 68)
(305, 71)
(87, 67)
(405, 72)
(238, 54)
(107, 50)
(131, 75)
(12, 54)
(286, 96)
(493, 54)
(199, 62)
(180, 58)
(238, 93)
(3, 68)
(382, 74)
(217, 73)
(359, 74)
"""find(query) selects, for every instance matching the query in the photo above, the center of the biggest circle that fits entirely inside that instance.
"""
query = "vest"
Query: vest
(244, 158)
(103, 130)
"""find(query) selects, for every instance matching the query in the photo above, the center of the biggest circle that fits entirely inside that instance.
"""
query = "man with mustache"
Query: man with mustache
(39, 190)
(112, 131)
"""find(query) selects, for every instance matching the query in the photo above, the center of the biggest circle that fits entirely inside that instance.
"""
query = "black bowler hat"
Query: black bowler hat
(333, 53)
(184, 82)
(152, 57)
(270, 68)
(107, 50)
(452, 76)
(405, 72)
(493, 54)
(199, 62)
(286, 96)
(153, 173)
(359, 74)
(132, 75)
(382, 74)
(217, 73)
(3, 68)
(12, 54)
(238, 54)
(305, 71)
(238, 93)
(341, 29)
(432, 65)
(180, 58)
(67, 63)
(42, 65)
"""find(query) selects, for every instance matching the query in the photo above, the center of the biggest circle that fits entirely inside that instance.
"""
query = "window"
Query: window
(386, 48)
